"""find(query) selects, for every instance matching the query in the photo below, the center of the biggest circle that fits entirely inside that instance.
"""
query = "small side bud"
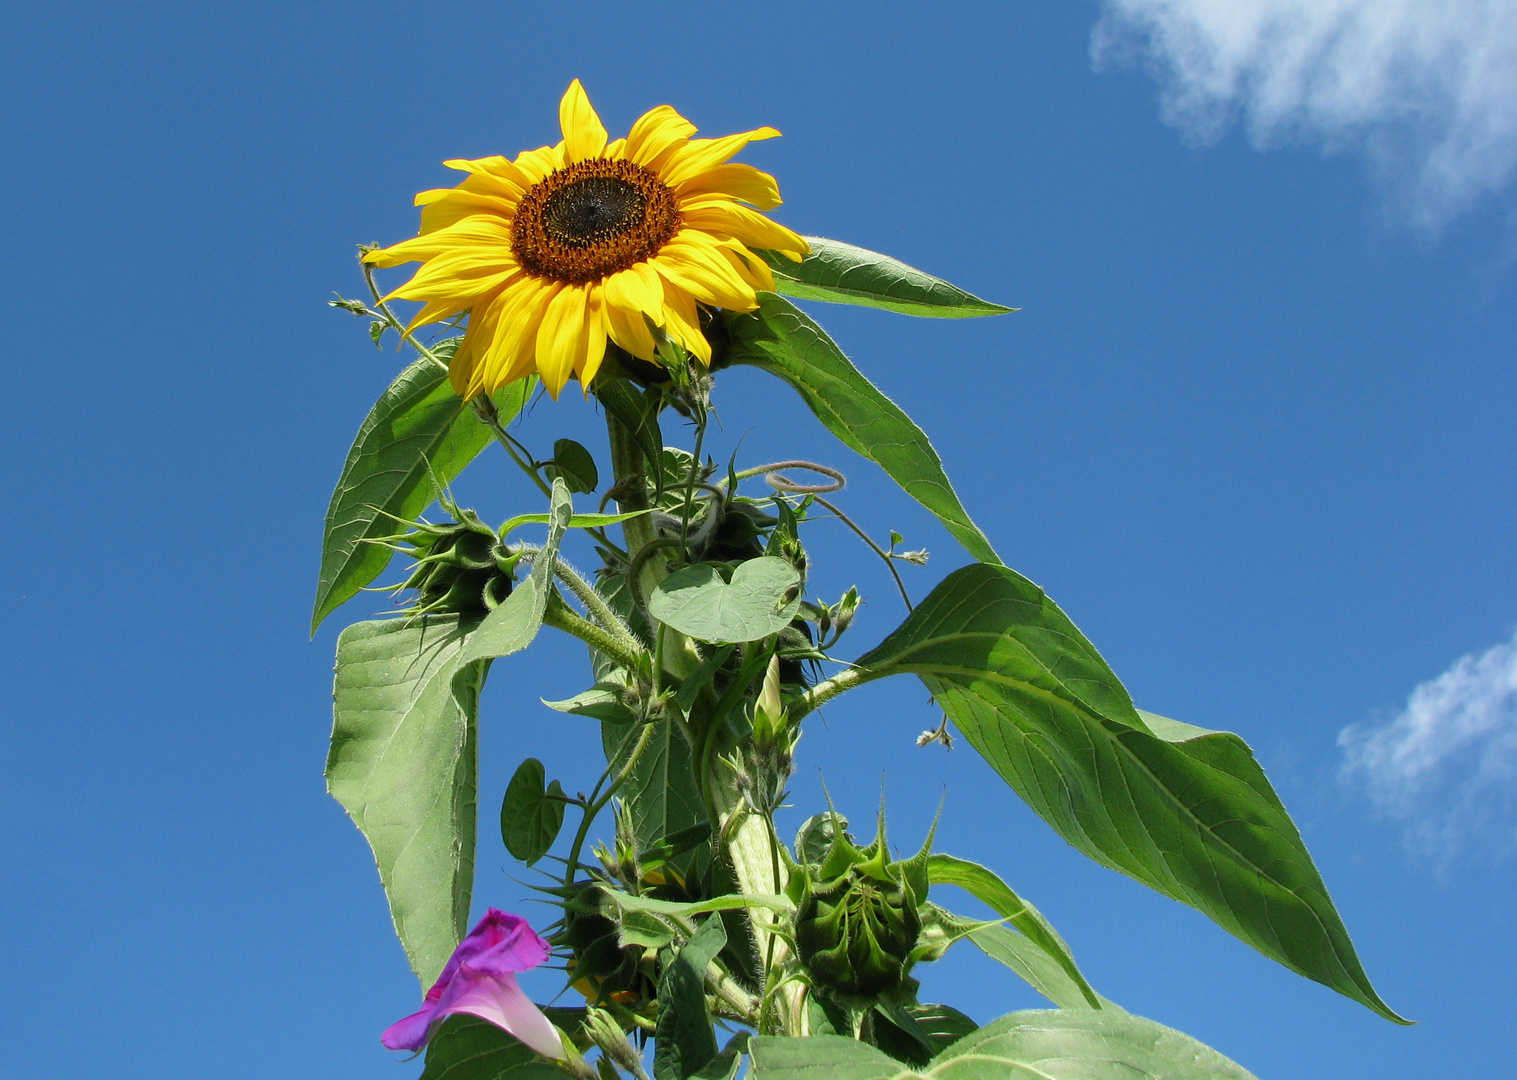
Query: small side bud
(607, 1034)
(357, 307)
(846, 608)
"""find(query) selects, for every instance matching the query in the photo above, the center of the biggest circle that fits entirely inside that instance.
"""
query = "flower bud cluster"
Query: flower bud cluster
(858, 920)
(461, 567)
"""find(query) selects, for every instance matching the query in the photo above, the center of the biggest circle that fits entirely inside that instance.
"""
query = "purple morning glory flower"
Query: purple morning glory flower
(480, 979)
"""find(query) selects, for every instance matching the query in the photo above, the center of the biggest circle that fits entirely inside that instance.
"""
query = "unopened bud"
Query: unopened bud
(855, 933)
(607, 1034)
(770, 710)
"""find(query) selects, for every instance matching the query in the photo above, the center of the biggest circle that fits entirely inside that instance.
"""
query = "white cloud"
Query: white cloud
(1446, 766)
(1427, 89)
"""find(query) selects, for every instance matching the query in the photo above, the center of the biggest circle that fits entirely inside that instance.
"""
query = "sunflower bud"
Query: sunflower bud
(600, 966)
(856, 932)
(461, 567)
(857, 920)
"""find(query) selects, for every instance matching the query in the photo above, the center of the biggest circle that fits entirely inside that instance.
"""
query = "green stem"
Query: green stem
(826, 690)
(395, 324)
(836, 479)
(484, 408)
(562, 617)
(889, 562)
(596, 605)
(630, 482)
(599, 804)
(695, 468)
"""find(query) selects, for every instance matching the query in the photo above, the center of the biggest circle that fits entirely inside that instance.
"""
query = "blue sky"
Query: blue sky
(1252, 429)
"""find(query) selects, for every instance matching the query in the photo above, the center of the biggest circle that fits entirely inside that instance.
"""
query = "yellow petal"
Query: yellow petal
(683, 323)
(705, 275)
(636, 289)
(654, 132)
(535, 165)
(471, 232)
(561, 338)
(463, 369)
(452, 206)
(438, 310)
(584, 134)
(595, 337)
(736, 180)
(750, 267)
(718, 215)
(456, 274)
(695, 157)
(629, 328)
(513, 350)
(494, 174)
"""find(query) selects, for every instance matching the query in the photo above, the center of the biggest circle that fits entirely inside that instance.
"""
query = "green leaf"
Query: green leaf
(701, 677)
(418, 422)
(530, 814)
(677, 910)
(661, 792)
(989, 889)
(1195, 819)
(468, 1048)
(684, 1042)
(403, 765)
(942, 1024)
(1033, 1045)
(820, 1057)
(638, 413)
(760, 600)
(576, 521)
(1081, 1045)
(843, 274)
(914, 1033)
(601, 702)
(573, 463)
(782, 340)
(722, 1067)
(512, 626)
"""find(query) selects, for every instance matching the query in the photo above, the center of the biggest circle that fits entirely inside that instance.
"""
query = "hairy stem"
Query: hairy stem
(826, 690)
(562, 617)
(596, 605)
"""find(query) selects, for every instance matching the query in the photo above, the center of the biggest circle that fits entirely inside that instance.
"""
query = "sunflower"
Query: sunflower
(570, 246)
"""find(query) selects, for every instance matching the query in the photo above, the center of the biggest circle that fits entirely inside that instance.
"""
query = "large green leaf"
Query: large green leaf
(418, 430)
(684, 1042)
(843, 274)
(1033, 1045)
(784, 341)
(403, 765)
(403, 760)
(661, 792)
(1191, 815)
(760, 600)
(1064, 985)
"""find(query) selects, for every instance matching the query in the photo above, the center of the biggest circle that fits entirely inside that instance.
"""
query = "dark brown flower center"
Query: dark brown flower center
(592, 219)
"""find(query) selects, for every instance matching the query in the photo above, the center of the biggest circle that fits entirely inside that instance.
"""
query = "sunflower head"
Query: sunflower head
(568, 247)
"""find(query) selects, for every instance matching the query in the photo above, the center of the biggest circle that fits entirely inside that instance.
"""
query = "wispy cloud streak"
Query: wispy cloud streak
(1427, 89)
(1446, 766)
